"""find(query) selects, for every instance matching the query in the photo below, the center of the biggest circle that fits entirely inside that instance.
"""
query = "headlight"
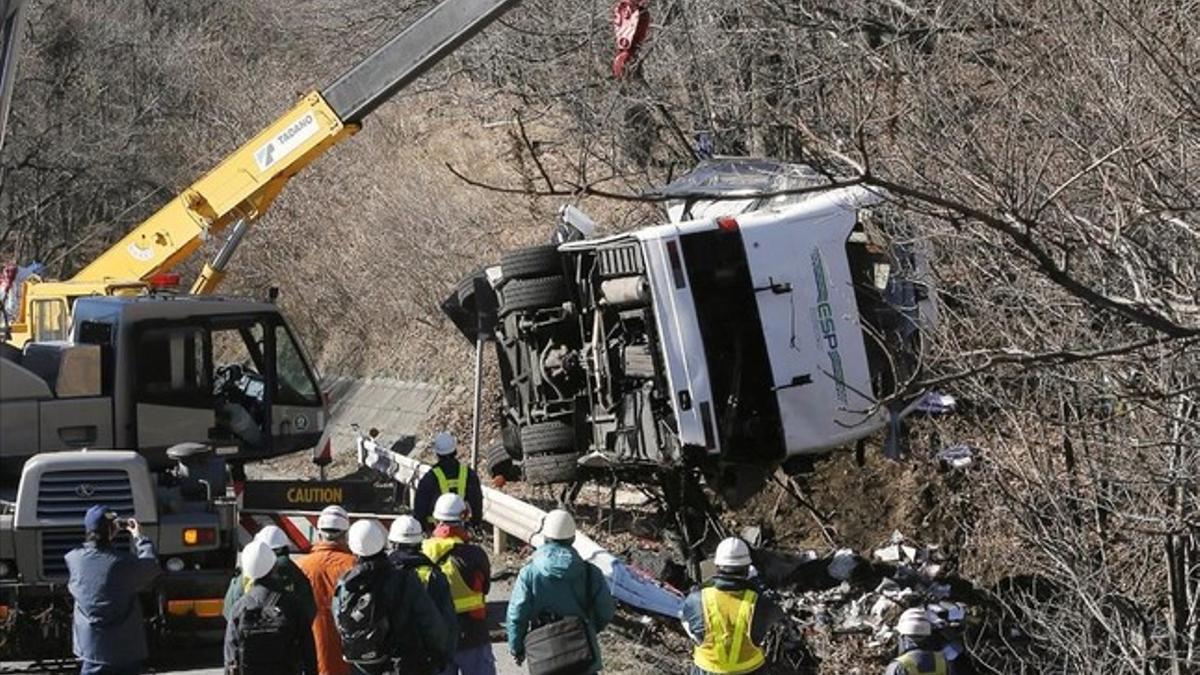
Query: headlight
(175, 564)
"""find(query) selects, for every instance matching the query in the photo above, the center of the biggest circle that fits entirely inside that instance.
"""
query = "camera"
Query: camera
(122, 523)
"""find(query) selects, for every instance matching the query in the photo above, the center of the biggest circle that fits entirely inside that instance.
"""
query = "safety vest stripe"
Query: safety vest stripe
(469, 604)
(742, 628)
(424, 573)
(458, 485)
(912, 662)
(719, 629)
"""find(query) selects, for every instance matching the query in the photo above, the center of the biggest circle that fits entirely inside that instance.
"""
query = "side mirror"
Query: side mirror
(574, 225)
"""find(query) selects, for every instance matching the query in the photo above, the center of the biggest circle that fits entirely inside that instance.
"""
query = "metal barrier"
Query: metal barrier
(512, 516)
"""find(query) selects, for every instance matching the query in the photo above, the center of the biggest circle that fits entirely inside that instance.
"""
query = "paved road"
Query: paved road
(208, 661)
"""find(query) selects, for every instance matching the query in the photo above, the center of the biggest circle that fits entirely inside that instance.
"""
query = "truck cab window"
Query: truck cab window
(239, 386)
(237, 353)
(99, 333)
(171, 366)
(95, 333)
(295, 382)
(50, 320)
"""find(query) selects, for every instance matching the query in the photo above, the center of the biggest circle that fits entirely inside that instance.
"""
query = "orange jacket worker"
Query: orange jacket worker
(329, 560)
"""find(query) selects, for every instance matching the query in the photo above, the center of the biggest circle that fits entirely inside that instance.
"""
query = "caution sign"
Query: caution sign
(307, 495)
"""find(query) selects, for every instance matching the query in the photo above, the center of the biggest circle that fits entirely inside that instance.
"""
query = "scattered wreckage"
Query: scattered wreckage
(825, 598)
(844, 595)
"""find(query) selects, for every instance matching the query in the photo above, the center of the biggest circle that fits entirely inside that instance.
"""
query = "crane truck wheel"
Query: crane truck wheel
(553, 468)
(531, 294)
(532, 262)
(547, 437)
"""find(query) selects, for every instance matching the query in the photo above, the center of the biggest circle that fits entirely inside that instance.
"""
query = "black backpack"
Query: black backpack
(266, 633)
(362, 619)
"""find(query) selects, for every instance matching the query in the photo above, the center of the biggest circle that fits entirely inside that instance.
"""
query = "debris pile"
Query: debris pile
(844, 597)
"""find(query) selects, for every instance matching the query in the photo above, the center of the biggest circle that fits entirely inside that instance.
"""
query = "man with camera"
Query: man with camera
(109, 634)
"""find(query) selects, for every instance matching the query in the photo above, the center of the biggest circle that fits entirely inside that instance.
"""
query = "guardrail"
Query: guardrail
(512, 516)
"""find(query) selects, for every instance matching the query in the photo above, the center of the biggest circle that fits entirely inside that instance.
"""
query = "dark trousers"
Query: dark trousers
(93, 668)
(375, 669)
(392, 669)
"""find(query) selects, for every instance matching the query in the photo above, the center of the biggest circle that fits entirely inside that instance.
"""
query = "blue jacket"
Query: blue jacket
(557, 581)
(105, 583)
(766, 612)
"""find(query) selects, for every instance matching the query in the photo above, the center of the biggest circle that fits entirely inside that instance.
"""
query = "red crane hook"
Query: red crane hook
(631, 24)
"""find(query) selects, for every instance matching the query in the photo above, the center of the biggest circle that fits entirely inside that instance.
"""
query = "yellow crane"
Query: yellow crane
(239, 190)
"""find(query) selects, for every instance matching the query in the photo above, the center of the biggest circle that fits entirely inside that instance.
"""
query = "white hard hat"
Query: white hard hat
(272, 536)
(334, 517)
(405, 530)
(444, 443)
(449, 508)
(914, 623)
(732, 552)
(257, 559)
(367, 537)
(559, 525)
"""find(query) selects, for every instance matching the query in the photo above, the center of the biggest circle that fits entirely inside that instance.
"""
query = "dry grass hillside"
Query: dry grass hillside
(1043, 152)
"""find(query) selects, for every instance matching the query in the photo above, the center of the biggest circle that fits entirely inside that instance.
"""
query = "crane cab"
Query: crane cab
(151, 371)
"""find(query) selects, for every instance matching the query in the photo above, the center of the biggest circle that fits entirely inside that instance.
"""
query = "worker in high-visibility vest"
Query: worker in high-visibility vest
(287, 572)
(918, 647)
(728, 618)
(446, 477)
(469, 572)
(406, 537)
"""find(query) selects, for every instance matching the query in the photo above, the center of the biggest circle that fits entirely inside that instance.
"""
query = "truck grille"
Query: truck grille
(620, 261)
(69, 494)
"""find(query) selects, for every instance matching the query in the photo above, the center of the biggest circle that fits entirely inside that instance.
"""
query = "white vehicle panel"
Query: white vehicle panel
(297, 419)
(74, 423)
(161, 426)
(813, 335)
(679, 333)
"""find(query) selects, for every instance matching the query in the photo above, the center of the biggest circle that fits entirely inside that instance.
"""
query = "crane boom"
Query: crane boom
(242, 186)
(11, 29)
(245, 184)
(407, 56)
